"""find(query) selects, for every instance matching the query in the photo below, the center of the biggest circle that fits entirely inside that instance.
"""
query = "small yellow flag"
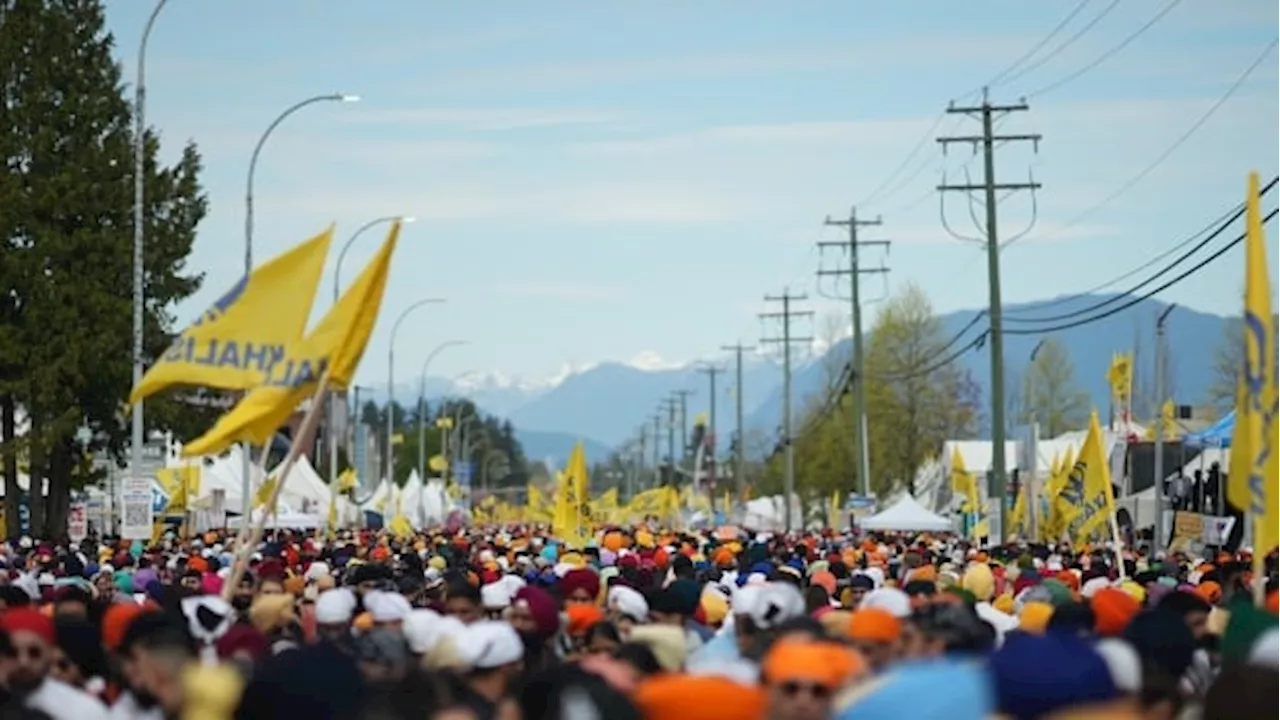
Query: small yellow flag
(235, 345)
(333, 349)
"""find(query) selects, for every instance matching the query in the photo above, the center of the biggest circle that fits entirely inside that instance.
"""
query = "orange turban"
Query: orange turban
(1112, 610)
(1070, 579)
(1209, 591)
(698, 697)
(823, 663)
(723, 557)
(295, 585)
(824, 580)
(927, 573)
(116, 621)
(581, 617)
(875, 625)
(1035, 617)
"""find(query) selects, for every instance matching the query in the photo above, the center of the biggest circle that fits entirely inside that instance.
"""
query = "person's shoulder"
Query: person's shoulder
(61, 700)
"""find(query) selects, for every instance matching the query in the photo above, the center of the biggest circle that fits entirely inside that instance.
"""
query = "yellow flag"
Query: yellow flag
(1251, 484)
(239, 342)
(1120, 376)
(262, 495)
(333, 348)
(1088, 491)
(573, 513)
(965, 484)
(347, 481)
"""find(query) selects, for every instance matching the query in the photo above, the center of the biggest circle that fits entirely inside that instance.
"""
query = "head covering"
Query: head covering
(892, 600)
(1162, 639)
(698, 697)
(1123, 662)
(1113, 608)
(666, 641)
(542, 607)
(490, 644)
(825, 663)
(270, 612)
(978, 580)
(335, 607)
(1036, 675)
(580, 618)
(956, 691)
(116, 620)
(208, 617)
(769, 604)
(387, 607)
(27, 619)
(874, 625)
(628, 602)
(243, 638)
(580, 579)
(1034, 617)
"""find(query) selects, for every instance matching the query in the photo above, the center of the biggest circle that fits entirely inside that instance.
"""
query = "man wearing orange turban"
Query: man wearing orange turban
(876, 634)
(801, 677)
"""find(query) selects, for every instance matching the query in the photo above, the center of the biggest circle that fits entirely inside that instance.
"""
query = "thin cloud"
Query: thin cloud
(560, 291)
(483, 119)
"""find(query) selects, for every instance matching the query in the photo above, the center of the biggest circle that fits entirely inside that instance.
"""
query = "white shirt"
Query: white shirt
(61, 701)
(126, 708)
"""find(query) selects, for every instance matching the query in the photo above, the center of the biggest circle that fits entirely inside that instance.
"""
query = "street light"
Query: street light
(253, 164)
(246, 463)
(137, 434)
(333, 394)
(337, 269)
(391, 380)
(422, 401)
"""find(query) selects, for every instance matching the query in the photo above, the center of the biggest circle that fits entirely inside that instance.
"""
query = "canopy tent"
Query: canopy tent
(285, 521)
(906, 514)
(1217, 435)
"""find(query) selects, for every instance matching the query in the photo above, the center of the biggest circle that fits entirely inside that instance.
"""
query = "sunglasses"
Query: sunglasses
(792, 688)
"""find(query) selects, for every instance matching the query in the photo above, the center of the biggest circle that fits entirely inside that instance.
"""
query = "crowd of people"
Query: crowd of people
(509, 623)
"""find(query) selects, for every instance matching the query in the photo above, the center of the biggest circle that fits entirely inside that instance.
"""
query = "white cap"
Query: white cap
(316, 571)
(769, 604)
(1093, 585)
(496, 595)
(1123, 662)
(424, 629)
(208, 617)
(490, 644)
(628, 602)
(335, 607)
(387, 607)
(1266, 649)
(891, 600)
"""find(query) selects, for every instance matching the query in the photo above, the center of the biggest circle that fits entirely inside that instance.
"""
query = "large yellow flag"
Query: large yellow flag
(1087, 494)
(1253, 475)
(1120, 376)
(333, 349)
(240, 342)
(965, 485)
(573, 513)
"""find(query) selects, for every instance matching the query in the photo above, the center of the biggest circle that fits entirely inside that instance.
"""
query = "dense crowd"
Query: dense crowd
(643, 623)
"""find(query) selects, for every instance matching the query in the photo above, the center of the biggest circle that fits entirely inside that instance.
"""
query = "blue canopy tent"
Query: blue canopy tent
(1216, 435)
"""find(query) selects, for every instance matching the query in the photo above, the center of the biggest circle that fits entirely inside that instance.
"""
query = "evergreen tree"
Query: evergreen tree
(66, 255)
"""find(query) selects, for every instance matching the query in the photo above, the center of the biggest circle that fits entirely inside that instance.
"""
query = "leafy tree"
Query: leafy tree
(66, 256)
(913, 403)
(1228, 360)
(1051, 395)
(913, 406)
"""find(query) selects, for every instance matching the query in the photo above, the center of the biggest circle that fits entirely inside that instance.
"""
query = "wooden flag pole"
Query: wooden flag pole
(305, 433)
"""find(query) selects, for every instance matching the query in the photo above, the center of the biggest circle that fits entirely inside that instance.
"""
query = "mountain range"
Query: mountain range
(604, 405)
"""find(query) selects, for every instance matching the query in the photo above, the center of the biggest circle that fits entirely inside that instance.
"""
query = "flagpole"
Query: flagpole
(304, 436)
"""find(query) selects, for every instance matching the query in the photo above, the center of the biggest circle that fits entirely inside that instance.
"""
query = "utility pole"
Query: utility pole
(670, 406)
(1161, 363)
(786, 316)
(986, 112)
(682, 397)
(639, 456)
(657, 449)
(858, 375)
(711, 371)
(739, 446)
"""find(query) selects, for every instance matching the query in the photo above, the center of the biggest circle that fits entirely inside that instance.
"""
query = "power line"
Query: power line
(1178, 143)
(915, 150)
(1040, 45)
(1070, 77)
(1147, 296)
(1222, 228)
(1066, 44)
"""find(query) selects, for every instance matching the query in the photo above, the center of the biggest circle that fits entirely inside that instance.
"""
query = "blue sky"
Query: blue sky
(604, 181)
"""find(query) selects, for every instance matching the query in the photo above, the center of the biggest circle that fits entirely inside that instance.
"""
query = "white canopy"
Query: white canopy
(906, 514)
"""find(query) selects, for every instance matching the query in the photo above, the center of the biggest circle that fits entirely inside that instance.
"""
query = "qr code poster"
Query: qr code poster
(136, 519)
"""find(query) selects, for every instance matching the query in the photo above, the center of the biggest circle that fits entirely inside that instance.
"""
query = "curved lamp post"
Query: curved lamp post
(246, 465)
(422, 403)
(333, 396)
(137, 434)
(391, 380)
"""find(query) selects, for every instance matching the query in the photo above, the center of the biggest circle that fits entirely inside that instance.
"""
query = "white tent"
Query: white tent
(411, 500)
(906, 514)
(285, 520)
(304, 489)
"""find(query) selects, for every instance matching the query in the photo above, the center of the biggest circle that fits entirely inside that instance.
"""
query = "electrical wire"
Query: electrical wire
(1066, 44)
(1221, 228)
(1016, 64)
(1178, 143)
(1147, 296)
(1071, 77)
(915, 150)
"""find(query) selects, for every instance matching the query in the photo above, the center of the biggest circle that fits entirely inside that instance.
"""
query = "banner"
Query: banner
(77, 522)
(136, 516)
